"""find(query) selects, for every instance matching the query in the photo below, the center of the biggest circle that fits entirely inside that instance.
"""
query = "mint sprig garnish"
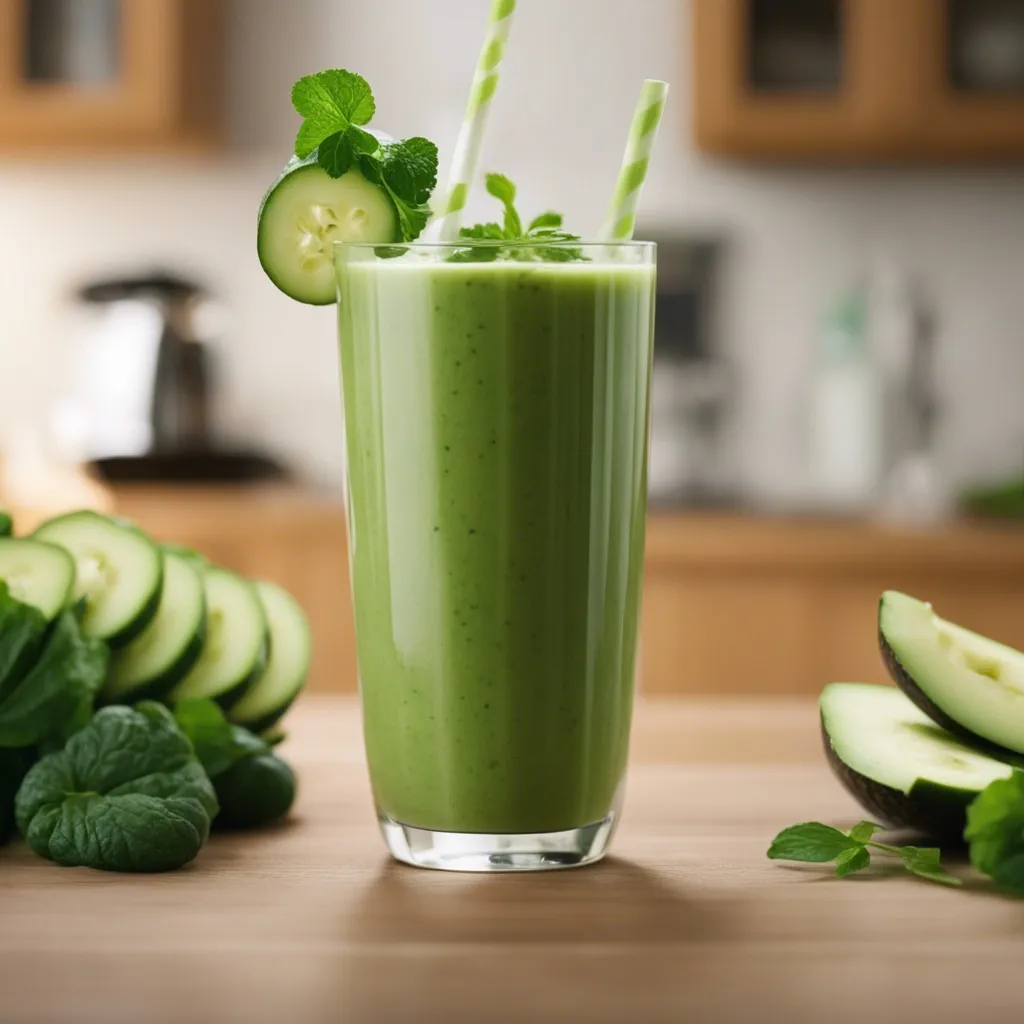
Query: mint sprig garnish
(811, 842)
(335, 105)
(511, 241)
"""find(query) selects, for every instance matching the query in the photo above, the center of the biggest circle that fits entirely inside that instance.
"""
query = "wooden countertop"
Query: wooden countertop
(687, 921)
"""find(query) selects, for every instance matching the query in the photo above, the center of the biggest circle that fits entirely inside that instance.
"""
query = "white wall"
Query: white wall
(568, 90)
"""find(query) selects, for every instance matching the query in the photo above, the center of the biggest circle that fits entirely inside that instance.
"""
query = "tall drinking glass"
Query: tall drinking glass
(496, 420)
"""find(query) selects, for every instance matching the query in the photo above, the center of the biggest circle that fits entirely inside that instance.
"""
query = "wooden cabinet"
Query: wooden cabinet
(851, 80)
(104, 75)
(743, 605)
(732, 604)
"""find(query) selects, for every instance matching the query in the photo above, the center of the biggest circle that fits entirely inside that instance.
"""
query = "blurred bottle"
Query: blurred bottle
(846, 412)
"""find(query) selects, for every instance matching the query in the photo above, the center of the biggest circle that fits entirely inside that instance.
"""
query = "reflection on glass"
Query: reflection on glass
(72, 41)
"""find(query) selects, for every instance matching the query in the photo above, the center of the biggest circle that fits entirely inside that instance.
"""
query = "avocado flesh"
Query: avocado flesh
(900, 766)
(970, 685)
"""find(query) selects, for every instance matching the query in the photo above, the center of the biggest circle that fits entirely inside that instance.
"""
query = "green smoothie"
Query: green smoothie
(496, 419)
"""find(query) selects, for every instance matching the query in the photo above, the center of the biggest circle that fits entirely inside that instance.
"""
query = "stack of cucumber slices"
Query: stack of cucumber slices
(916, 756)
(178, 627)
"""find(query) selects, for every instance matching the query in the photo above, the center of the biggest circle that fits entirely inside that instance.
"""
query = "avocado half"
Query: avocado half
(970, 685)
(900, 766)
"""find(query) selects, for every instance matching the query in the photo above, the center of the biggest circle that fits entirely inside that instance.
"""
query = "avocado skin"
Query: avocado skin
(930, 810)
(903, 679)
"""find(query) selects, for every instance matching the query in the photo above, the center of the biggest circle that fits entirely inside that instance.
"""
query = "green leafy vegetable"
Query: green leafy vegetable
(995, 832)
(407, 171)
(254, 787)
(255, 791)
(218, 744)
(21, 634)
(13, 765)
(125, 794)
(815, 843)
(510, 239)
(334, 105)
(55, 697)
(5, 524)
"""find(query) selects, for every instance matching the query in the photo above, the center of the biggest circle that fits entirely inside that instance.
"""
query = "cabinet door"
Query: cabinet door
(750, 99)
(123, 78)
(972, 95)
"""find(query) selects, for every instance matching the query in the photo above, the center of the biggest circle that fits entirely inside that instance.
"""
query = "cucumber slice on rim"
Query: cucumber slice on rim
(291, 647)
(304, 212)
(235, 649)
(166, 650)
(38, 574)
(119, 573)
(6, 525)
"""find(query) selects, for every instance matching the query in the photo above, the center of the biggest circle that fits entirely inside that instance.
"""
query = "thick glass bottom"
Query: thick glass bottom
(483, 852)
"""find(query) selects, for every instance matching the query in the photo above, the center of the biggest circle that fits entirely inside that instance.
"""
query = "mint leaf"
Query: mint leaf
(852, 860)
(330, 101)
(335, 154)
(521, 246)
(492, 231)
(810, 842)
(1009, 875)
(545, 220)
(923, 861)
(505, 192)
(863, 831)
(407, 171)
(995, 823)
(995, 829)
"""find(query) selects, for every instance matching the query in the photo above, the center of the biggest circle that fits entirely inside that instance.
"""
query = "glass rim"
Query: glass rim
(497, 243)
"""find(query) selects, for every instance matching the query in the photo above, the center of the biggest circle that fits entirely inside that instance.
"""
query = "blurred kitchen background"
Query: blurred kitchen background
(839, 196)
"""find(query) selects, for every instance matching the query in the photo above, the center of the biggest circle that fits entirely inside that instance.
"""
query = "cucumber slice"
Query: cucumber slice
(235, 650)
(6, 524)
(119, 573)
(38, 574)
(167, 649)
(291, 647)
(304, 212)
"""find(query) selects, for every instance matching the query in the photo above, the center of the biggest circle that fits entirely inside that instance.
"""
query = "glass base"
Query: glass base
(480, 851)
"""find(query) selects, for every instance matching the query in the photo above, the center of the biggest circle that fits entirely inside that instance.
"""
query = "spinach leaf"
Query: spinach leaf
(125, 794)
(21, 634)
(54, 699)
(13, 765)
(254, 787)
(255, 791)
(218, 744)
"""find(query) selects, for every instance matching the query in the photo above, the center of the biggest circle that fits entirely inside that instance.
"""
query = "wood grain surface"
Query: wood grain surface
(687, 921)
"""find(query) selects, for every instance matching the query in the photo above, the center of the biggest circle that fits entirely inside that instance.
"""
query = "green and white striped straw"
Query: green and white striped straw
(621, 217)
(471, 135)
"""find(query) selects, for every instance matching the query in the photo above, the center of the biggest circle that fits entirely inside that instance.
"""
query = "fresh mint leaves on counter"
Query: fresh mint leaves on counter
(335, 105)
(995, 832)
(814, 843)
(511, 241)
(254, 787)
(126, 794)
